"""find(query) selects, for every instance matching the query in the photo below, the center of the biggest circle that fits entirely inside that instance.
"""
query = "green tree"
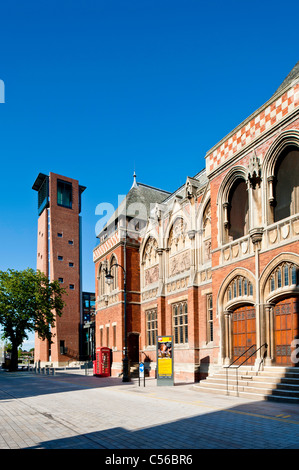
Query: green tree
(28, 302)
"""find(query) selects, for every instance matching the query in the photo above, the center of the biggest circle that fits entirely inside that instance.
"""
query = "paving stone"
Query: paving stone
(74, 411)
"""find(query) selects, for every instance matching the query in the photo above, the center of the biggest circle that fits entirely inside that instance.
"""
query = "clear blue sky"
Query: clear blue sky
(96, 89)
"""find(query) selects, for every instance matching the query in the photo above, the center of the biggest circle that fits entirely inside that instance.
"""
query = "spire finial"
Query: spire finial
(134, 185)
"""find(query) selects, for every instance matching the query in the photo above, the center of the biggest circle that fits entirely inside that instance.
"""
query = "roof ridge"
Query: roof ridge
(292, 75)
(152, 187)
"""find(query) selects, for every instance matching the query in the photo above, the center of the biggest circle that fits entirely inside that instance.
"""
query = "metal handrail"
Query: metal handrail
(239, 365)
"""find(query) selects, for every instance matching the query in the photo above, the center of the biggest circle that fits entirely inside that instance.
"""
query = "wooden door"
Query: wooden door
(244, 334)
(133, 347)
(286, 328)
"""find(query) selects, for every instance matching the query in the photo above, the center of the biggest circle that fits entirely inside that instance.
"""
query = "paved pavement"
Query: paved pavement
(73, 411)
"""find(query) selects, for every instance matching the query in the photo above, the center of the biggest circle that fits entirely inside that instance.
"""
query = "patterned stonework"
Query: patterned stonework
(102, 249)
(177, 285)
(151, 275)
(179, 263)
(271, 115)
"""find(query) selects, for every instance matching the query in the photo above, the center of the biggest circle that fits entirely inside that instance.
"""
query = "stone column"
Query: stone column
(191, 235)
(227, 337)
(269, 323)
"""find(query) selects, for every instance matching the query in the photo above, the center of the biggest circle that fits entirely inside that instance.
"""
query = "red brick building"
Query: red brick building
(59, 256)
(215, 264)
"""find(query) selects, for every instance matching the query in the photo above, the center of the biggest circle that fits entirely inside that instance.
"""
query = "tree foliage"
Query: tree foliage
(28, 302)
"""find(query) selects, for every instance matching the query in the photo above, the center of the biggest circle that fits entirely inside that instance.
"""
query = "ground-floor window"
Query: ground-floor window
(151, 326)
(180, 322)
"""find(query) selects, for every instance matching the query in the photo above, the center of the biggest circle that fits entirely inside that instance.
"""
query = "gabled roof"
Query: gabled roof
(287, 83)
(293, 75)
(139, 194)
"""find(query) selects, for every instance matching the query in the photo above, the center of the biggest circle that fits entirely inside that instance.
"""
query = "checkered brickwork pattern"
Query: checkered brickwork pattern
(261, 123)
(102, 249)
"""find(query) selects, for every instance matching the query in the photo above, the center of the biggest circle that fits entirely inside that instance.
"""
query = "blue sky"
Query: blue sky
(96, 89)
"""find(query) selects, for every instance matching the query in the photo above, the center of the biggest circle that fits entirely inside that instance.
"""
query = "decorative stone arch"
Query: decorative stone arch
(235, 176)
(101, 278)
(171, 223)
(150, 261)
(226, 309)
(287, 139)
(270, 299)
(202, 237)
(287, 257)
(206, 198)
(114, 271)
(224, 304)
(178, 246)
(145, 242)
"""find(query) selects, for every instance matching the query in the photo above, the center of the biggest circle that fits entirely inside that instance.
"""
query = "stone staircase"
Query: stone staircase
(270, 383)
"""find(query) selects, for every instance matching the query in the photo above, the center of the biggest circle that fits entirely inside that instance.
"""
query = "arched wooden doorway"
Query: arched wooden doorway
(244, 333)
(286, 329)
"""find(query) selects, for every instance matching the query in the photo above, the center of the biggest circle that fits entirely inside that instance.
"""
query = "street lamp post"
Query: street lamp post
(109, 279)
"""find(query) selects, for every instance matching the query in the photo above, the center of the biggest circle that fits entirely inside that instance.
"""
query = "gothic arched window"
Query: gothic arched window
(286, 274)
(240, 286)
(101, 280)
(114, 272)
(237, 210)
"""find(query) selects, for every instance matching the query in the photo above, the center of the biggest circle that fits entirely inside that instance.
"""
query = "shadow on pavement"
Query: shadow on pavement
(23, 384)
(233, 428)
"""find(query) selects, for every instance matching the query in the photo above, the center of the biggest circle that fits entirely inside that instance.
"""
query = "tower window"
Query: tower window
(64, 194)
(62, 347)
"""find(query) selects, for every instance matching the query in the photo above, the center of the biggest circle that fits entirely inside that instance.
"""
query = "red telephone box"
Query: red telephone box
(102, 364)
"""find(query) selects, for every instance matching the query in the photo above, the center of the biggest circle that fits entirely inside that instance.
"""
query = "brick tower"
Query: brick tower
(59, 257)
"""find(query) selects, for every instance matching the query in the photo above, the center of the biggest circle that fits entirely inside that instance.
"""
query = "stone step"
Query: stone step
(279, 383)
(250, 392)
(231, 392)
(263, 388)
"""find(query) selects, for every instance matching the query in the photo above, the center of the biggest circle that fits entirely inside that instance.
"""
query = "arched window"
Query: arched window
(150, 262)
(114, 272)
(286, 184)
(177, 236)
(101, 280)
(237, 223)
(206, 225)
(286, 274)
(240, 286)
(178, 245)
